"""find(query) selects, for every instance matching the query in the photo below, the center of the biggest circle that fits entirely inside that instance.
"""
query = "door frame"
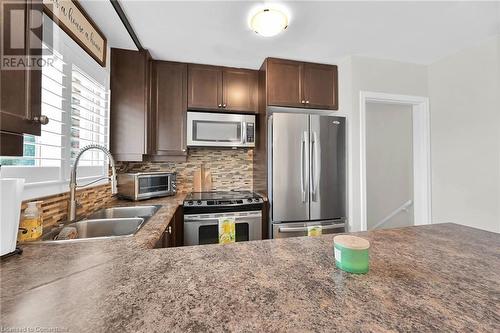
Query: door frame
(421, 152)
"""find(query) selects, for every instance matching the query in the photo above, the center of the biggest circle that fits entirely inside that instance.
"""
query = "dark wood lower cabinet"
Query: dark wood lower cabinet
(173, 235)
(168, 109)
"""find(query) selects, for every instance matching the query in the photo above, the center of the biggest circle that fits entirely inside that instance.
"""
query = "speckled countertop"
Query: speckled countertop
(442, 277)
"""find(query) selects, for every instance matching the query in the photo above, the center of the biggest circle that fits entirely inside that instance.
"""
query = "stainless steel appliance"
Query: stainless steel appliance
(307, 174)
(206, 129)
(202, 211)
(145, 185)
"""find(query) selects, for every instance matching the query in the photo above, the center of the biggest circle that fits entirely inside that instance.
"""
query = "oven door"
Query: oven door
(299, 229)
(151, 185)
(204, 228)
(219, 130)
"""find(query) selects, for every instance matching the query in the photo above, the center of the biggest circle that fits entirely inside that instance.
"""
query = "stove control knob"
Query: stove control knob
(190, 203)
(249, 200)
(255, 200)
(199, 202)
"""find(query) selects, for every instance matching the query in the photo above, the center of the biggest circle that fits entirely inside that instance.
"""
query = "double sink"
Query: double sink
(107, 223)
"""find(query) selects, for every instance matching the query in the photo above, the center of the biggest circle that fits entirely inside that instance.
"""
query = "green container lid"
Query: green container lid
(351, 253)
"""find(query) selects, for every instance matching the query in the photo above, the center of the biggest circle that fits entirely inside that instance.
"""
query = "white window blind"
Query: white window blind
(89, 117)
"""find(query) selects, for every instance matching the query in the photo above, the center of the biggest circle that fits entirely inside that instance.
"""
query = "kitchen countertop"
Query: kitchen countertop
(441, 277)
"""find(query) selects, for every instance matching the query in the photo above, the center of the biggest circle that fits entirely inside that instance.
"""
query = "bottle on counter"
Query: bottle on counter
(30, 228)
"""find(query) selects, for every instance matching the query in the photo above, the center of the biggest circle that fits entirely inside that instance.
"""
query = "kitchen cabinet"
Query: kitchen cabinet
(213, 88)
(204, 87)
(167, 123)
(284, 83)
(130, 103)
(173, 234)
(299, 84)
(21, 93)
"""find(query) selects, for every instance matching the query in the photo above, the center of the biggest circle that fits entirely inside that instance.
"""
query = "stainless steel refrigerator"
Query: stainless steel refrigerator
(307, 177)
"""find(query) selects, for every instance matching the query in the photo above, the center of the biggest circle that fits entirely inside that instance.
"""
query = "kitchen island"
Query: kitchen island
(442, 277)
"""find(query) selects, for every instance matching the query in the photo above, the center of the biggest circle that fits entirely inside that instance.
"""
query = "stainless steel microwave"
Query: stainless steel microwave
(206, 129)
(145, 185)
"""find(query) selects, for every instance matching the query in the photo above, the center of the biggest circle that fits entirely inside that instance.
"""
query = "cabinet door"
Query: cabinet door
(320, 86)
(21, 92)
(240, 88)
(284, 83)
(204, 87)
(169, 108)
(129, 104)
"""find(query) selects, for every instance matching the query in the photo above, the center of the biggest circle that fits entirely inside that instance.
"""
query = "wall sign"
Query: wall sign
(73, 19)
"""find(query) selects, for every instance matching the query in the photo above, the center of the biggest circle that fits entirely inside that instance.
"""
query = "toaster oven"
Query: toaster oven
(145, 185)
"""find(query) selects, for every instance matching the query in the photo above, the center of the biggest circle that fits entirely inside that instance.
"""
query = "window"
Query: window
(75, 97)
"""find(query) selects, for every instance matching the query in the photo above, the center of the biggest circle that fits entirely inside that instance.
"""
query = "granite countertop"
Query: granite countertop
(441, 277)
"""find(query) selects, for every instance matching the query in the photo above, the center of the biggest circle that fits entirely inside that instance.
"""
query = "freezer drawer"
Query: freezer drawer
(299, 229)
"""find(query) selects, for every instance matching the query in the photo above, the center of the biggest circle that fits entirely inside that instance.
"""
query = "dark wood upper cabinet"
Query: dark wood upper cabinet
(320, 86)
(213, 88)
(300, 84)
(130, 103)
(21, 92)
(284, 82)
(204, 87)
(169, 106)
(240, 90)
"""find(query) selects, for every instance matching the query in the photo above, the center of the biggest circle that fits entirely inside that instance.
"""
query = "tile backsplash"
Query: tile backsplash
(232, 169)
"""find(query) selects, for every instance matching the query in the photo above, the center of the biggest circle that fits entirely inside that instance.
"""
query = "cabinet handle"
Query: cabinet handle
(44, 120)
(303, 102)
(223, 105)
(169, 229)
(307, 102)
(220, 105)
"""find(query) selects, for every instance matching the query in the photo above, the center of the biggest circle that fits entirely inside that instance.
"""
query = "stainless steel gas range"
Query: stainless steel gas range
(202, 211)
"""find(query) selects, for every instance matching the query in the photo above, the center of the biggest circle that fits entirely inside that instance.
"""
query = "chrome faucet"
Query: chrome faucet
(72, 182)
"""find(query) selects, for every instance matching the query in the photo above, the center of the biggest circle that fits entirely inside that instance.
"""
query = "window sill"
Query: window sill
(50, 188)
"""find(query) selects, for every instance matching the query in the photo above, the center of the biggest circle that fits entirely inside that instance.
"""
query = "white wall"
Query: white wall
(375, 75)
(464, 91)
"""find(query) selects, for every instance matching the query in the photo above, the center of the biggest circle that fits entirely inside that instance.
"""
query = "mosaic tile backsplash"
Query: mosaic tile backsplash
(232, 169)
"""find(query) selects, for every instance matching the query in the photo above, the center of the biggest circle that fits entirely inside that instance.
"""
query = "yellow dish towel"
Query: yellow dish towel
(227, 230)
(314, 230)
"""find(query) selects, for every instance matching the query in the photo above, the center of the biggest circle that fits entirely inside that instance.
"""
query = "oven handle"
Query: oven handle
(212, 217)
(297, 229)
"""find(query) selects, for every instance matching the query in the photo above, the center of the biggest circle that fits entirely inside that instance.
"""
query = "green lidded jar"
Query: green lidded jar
(351, 253)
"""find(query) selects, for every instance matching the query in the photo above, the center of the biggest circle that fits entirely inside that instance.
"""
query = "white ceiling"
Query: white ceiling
(216, 32)
(108, 21)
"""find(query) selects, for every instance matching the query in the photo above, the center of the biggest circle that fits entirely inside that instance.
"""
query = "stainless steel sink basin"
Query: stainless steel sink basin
(123, 212)
(106, 223)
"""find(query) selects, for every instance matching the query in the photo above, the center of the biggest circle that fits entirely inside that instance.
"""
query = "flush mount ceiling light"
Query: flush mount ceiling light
(269, 22)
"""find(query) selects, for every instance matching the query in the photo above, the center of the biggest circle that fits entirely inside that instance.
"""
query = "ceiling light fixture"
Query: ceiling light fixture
(269, 22)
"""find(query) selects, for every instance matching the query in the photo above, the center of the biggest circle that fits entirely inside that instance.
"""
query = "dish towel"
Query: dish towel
(314, 230)
(227, 230)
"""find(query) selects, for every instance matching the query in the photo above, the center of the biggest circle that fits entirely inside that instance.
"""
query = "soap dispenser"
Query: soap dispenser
(30, 228)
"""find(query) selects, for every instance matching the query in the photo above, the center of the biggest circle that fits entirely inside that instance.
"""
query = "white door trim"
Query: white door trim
(421, 152)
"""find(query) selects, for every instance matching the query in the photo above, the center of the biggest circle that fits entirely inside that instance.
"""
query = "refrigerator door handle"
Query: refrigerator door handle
(302, 160)
(314, 166)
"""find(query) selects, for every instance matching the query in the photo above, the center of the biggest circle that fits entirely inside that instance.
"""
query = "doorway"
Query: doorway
(395, 161)
(389, 165)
